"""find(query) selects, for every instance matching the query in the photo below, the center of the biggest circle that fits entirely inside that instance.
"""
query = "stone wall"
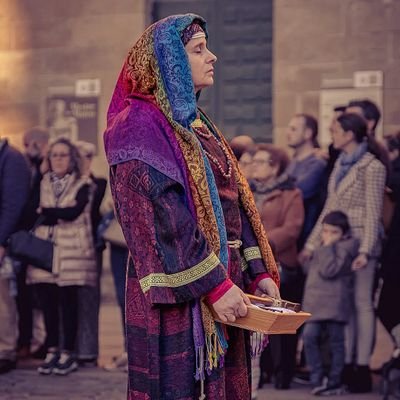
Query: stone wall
(314, 39)
(52, 43)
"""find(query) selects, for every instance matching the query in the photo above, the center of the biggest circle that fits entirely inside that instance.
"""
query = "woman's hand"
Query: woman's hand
(359, 262)
(321, 153)
(233, 304)
(269, 287)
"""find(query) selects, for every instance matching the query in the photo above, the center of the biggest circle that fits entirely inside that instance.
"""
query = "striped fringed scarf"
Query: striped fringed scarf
(205, 198)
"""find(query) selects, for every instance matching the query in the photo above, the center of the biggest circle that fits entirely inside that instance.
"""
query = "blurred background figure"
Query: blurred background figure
(333, 153)
(242, 147)
(65, 205)
(246, 164)
(89, 296)
(280, 205)
(367, 109)
(371, 113)
(390, 271)
(14, 192)
(307, 168)
(356, 187)
(36, 142)
(330, 156)
(111, 232)
(30, 319)
(329, 277)
(240, 144)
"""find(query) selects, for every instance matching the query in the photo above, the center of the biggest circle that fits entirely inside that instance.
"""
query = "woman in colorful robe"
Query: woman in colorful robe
(193, 232)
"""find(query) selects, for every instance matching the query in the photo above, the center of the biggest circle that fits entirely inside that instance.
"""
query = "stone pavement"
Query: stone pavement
(97, 384)
(88, 383)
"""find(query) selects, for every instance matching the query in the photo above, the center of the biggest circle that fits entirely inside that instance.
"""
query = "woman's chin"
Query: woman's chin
(205, 85)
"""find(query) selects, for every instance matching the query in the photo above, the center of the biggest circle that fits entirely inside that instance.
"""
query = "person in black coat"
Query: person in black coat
(390, 271)
(36, 146)
(14, 190)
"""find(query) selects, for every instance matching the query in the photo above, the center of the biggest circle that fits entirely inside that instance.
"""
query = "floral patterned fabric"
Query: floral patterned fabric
(163, 237)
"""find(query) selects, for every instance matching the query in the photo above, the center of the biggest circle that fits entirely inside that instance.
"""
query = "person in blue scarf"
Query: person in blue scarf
(356, 187)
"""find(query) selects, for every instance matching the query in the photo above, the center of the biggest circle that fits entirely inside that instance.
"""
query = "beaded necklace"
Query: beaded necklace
(201, 129)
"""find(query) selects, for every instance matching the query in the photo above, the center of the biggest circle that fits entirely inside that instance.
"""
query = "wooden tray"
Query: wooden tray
(268, 321)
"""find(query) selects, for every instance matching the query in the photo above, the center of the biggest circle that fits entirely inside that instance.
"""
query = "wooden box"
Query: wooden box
(269, 320)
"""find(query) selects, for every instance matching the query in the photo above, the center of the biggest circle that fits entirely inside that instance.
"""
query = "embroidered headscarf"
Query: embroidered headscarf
(193, 31)
(157, 70)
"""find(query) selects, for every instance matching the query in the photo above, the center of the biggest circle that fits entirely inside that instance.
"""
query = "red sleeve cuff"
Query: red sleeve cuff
(253, 286)
(216, 293)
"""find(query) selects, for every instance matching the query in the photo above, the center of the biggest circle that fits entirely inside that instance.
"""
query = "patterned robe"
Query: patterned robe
(159, 325)
(176, 209)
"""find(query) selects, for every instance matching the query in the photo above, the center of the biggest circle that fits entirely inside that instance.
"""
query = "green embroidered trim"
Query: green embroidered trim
(252, 253)
(243, 264)
(180, 278)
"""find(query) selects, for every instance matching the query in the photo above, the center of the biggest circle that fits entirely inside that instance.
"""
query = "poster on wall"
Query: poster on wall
(72, 117)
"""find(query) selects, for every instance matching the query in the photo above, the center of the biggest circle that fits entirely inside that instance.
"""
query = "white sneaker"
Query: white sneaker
(48, 365)
(317, 389)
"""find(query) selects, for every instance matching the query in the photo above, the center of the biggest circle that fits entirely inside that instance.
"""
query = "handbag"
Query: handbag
(113, 234)
(29, 249)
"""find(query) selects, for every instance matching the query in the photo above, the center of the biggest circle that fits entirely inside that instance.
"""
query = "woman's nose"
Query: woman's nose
(212, 57)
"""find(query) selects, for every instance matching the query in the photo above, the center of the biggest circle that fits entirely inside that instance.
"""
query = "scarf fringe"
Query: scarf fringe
(216, 346)
(258, 342)
(199, 375)
(212, 355)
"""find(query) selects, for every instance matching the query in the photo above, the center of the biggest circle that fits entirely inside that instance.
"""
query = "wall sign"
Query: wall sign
(72, 117)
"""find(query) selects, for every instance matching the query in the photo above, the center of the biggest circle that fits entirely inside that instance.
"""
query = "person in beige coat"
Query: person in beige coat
(280, 205)
(356, 187)
(65, 201)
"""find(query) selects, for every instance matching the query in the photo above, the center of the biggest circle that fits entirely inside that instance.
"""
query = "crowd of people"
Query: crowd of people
(53, 316)
(332, 218)
(187, 204)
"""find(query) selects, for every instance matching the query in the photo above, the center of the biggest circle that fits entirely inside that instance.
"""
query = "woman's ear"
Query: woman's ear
(350, 135)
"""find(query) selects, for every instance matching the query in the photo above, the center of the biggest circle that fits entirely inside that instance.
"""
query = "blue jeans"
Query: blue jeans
(312, 339)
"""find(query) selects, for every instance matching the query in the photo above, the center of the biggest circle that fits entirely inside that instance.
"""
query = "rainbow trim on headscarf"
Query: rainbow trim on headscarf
(157, 69)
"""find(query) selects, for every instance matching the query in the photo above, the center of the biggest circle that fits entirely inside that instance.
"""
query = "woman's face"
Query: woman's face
(262, 168)
(201, 62)
(340, 138)
(60, 159)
